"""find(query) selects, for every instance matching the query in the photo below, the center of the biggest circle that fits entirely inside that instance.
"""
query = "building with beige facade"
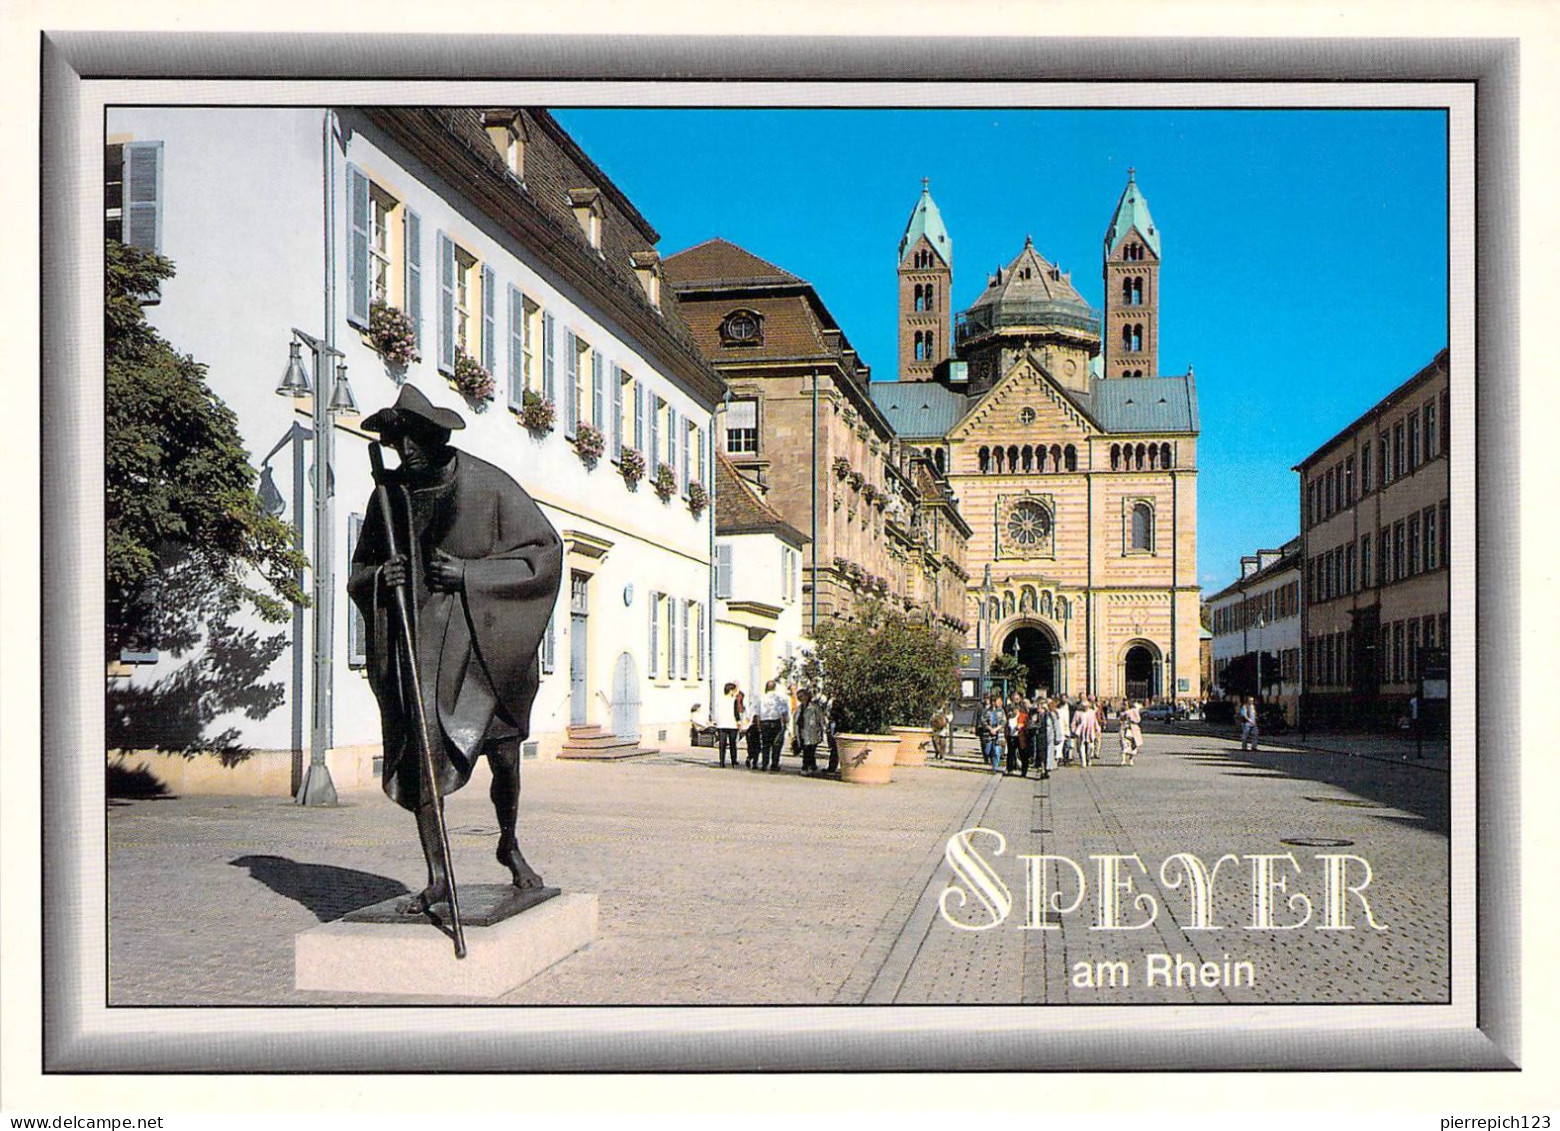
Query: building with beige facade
(1375, 517)
(1259, 614)
(1074, 462)
(800, 424)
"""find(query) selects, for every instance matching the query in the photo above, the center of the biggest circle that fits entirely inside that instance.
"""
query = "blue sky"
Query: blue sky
(1304, 271)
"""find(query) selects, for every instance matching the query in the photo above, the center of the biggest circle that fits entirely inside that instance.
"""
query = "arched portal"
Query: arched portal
(1141, 675)
(1035, 648)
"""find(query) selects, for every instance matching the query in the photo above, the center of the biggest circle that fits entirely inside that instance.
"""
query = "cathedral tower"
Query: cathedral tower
(925, 283)
(1131, 266)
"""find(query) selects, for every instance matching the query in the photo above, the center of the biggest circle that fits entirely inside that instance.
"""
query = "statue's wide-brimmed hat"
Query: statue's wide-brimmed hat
(412, 404)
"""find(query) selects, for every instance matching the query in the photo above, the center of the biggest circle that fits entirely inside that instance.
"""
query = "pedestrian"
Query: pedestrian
(829, 731)
(753, 732)
(1063, 730)
(1131, 734)
(1034, 728)
(773, 714)
(1086, 730)
(809, 729)
(728, 723)
(1249, 732)
(993, 726)
(1015, 715)
(940, 736)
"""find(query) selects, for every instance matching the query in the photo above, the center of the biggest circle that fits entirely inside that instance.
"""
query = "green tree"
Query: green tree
(182, 513)
(1006, 667)
(880, 671)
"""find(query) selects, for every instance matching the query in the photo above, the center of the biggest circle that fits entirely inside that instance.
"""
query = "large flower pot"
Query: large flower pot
(867, 759)
(913, 743)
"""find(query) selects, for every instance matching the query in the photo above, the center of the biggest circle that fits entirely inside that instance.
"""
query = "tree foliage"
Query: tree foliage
(179, 489)
(881, 671)
(1240, 674)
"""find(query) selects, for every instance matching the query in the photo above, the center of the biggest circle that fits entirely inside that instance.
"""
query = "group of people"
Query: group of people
(1048, 732)
(767, 724)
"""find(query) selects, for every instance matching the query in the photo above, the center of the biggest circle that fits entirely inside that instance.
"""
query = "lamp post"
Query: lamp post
(1261, 624)
(983, 638)
(317, 788)
(1064, 614)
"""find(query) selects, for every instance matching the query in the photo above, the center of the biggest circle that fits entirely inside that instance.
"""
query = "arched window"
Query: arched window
(1056, 457)
(1142, 457)
(941, 460)
(931, 345)
(1142, 527)
(1115, 457)
(1126, 292)
(1137, 291)
(1007, 604)
(1028, 457)
(1126, 337)
(1137, 337)
(1072, 458)
(1153, 457)
(985, 458)
(1013, 458)
(931, 296)
(1166, 459)
(1000, 457)
(918, 299)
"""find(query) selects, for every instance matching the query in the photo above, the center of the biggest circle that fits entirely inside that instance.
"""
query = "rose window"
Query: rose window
(1028, 524)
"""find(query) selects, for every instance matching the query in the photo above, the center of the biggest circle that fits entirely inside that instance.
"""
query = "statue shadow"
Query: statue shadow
(327, 891)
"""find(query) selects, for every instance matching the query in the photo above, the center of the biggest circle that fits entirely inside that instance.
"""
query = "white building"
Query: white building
(1260, 613)
(501, 240)
(758, 584)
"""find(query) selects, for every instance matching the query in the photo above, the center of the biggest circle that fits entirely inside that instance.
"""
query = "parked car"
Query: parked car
(1159, 713)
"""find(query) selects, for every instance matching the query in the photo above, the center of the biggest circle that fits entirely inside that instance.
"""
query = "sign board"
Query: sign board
(1436, 689)
(1183, 685)
(972, 663)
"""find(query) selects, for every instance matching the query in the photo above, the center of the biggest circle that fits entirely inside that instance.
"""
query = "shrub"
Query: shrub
(474, 382)
(698, 498)
(664, 481)
(392, 334)
(589, 442)
(537, 413)
(632, 467)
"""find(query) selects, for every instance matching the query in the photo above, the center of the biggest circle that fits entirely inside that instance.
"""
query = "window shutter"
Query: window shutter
(617, 414)
(682, 641)
(489, 320)
(653, 411)
(549, 647)
(413, 235)
(639, 417)
(687, 467)
(143, 169)
(671, 446)
(723, 571)
(516, 348)
(598, 392)
(357, 628)
(655, 634)
(549, 385)
(698, 641)
(571, 389)
(357, 246)
(446, 303)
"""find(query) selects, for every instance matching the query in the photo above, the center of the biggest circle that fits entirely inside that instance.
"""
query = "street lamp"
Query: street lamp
(982, 632)
(317, 788)
(1261, 624)
(1064, 614)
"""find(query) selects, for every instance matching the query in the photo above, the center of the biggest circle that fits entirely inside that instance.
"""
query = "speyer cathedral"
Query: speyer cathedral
(1074, 460)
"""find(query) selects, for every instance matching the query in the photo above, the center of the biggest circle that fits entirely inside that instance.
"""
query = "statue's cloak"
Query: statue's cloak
(476, 649)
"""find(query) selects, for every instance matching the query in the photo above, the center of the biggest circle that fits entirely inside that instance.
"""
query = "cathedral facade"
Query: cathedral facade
(1074, 461)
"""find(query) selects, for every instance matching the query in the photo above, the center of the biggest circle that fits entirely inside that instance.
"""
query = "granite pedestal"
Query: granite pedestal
(511, 936)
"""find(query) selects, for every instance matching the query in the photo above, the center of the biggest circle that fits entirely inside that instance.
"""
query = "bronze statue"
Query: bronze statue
(456, 573)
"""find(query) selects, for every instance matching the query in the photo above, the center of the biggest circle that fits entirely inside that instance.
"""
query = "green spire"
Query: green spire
(926, 221)
(1132, 212)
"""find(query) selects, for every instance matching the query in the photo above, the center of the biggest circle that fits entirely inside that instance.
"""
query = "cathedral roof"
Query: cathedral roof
(1032, 286)
(1141, 404)
(926, 220)
(1132, 212)
(919, 409)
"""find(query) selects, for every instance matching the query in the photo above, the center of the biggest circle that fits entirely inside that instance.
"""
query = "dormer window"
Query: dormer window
(647, 267)
(506, 131)
(742, 328)
(587, 208)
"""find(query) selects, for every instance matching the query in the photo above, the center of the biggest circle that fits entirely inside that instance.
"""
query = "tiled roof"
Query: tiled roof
(739, 510)
(720, 263)
(1131, 212)
(1030, 278)
(919, 408)
(789, 326)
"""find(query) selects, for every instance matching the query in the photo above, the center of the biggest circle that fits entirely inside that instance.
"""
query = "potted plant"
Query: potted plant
(632, 467)
(537, 413)
(698, 498)
(392, 334)
(589, 442)
(474, 382)
(664, 481)
(879, 674)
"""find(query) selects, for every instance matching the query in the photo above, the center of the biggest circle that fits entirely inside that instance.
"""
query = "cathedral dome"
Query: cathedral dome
(1032, 294)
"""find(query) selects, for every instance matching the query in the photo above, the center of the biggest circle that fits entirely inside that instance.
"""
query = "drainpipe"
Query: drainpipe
(709, 614)
(1175, 577)
(813, 629)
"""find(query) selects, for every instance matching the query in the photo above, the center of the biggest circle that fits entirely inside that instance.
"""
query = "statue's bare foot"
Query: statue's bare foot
(523, 875)
(429, 896)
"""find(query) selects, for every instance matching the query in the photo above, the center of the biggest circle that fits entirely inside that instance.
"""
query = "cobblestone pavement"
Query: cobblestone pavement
(735, 887)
